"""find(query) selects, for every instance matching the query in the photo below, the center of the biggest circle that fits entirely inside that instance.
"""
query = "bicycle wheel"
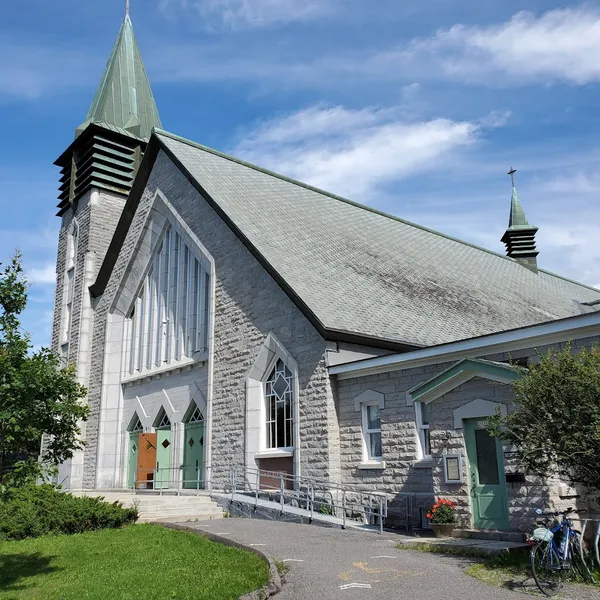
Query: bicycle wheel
(546, 568)
(578, 564)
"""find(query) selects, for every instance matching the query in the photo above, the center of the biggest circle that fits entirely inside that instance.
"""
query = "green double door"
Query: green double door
(487, 477)
(163, 458)
(193, 456)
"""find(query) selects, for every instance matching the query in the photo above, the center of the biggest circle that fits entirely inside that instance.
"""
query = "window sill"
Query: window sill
(424, 463)
(182, 364)
(372, 464)
(275, 453)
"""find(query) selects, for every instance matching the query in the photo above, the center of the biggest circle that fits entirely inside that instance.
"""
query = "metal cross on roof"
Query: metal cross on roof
(511, 172)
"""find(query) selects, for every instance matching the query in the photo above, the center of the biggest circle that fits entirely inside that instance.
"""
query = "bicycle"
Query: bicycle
(552, 563)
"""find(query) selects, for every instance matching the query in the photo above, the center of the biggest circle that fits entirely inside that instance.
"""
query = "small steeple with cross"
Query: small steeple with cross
(520, 235)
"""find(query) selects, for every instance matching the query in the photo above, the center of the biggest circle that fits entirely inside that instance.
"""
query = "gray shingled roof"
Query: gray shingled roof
(367, 273)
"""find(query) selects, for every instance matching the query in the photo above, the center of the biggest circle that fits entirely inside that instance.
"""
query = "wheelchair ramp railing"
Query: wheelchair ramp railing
(319, 499)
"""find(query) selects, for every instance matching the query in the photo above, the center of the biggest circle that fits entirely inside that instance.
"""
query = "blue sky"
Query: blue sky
(418, 110)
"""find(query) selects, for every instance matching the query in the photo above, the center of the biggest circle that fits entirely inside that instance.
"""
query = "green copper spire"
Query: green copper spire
(124, 98)
(517, 219)
(520, 235)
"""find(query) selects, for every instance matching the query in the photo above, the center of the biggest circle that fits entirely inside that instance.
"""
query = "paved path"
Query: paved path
(324, 563)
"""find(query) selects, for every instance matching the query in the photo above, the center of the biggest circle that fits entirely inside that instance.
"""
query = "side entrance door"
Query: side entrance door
(193, 455)
(487, 478)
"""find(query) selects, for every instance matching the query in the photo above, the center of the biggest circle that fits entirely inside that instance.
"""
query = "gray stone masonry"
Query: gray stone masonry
(403, 474)
(97, 224)
(248, 305)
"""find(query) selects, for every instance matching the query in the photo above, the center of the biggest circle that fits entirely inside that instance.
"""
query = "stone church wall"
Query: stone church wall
(249, 305)
(405, 476)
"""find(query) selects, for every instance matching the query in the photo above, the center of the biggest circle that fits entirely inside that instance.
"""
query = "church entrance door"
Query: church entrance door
(163, 458)
(193, 456)
(132, 458)
(488, 481)
(146, 461)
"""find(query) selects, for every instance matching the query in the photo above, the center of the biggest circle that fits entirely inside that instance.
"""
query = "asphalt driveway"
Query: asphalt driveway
(334, 564)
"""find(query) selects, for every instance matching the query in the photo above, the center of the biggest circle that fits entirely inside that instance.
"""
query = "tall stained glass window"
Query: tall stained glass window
(279, 399)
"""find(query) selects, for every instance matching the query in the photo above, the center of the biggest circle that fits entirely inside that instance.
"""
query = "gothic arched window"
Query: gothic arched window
(169, 320)
(279, 400)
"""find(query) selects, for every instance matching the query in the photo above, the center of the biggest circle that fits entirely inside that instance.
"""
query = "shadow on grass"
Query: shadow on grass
(15, 569)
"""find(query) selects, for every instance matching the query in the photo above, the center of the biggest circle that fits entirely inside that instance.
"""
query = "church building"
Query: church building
(226, 317)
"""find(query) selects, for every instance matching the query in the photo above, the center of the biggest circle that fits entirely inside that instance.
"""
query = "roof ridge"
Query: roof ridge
(244, 163)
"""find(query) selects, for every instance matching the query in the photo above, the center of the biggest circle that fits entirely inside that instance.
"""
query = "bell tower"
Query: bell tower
(97, 172)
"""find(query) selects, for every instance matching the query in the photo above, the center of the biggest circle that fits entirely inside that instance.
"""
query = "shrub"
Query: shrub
(32, 511)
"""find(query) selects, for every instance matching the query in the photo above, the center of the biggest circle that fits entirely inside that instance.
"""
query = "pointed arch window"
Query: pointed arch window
(279, 406)
(69, 287)
(169, 320)
(196, 416)
(162, 420)
(136, 424)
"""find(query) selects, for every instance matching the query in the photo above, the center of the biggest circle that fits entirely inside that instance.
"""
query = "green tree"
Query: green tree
(556, 424)
(37, 396)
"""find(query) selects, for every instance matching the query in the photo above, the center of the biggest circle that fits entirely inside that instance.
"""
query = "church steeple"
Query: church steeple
(124, 97)
(520, 235)
(109, 144)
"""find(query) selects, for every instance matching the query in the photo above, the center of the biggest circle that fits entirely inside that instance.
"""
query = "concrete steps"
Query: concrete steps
(155, 507)
(489, 534)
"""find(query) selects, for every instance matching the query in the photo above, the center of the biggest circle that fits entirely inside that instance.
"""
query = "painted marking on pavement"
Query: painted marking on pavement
(222, 532)
(292, 560)
(383, 556)
(258, 544)
(347, 586)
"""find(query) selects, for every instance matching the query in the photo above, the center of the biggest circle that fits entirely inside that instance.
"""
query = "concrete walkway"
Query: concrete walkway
(334, 564)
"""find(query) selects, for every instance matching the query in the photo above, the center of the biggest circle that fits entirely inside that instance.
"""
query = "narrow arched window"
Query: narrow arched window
(169, 320)
(69, 288)
(279, 409)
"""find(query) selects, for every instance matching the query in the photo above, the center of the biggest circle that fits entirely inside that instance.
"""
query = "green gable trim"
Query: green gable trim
(460, 373)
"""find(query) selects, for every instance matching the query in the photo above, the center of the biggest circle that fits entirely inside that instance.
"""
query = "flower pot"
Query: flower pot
(442, 529)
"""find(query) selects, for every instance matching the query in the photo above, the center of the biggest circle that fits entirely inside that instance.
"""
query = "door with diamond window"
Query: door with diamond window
(163, 453)
(134, 440)
(146, 462)
(193, 452)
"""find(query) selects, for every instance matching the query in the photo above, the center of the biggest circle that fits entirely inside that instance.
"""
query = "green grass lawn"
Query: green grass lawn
(139, 561)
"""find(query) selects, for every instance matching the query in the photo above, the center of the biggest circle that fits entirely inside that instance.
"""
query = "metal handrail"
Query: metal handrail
(167, 479)
(309, 490)
(596, 541)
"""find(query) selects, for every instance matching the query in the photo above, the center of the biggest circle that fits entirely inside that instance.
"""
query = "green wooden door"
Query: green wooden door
(132, 458)
(163, 458)
(487, 478)
(193, 455)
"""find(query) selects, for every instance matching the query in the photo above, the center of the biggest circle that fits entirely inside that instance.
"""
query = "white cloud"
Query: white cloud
(45, 275)
(560, 45)
(244, 14)
(352, 152)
